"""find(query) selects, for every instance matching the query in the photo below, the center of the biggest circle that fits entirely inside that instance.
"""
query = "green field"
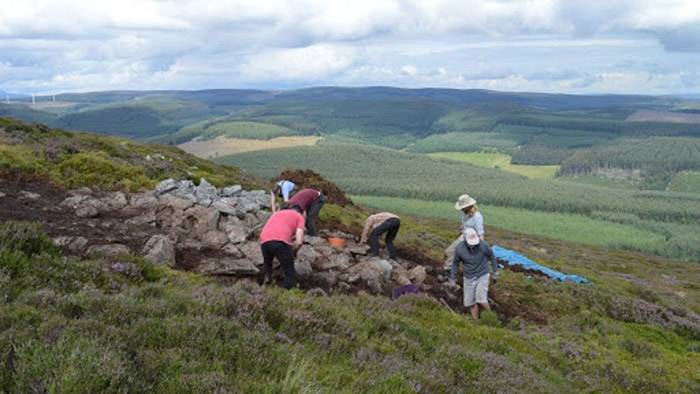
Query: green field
(499, 161)
(567, 227)
(687, 182)
(463, 142)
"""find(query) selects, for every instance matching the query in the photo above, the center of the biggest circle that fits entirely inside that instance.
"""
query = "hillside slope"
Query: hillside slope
(74, 323)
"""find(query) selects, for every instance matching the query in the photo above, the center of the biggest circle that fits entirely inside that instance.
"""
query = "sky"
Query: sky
(566, 46)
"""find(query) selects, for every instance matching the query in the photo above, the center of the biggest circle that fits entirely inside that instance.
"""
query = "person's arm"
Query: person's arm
(479, 224)
(365, 230)
(453, 270)
(273, 202)
(492, 259)
(299, 238)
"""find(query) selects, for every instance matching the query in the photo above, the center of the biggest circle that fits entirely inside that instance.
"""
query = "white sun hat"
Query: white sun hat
(471, 236)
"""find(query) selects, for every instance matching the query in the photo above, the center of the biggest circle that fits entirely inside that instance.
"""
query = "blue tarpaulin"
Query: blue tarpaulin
(515, 258)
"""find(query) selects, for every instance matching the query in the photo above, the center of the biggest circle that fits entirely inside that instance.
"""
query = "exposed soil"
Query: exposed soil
(310, 179)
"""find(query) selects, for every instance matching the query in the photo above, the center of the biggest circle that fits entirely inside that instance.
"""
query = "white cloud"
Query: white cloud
(312, 63)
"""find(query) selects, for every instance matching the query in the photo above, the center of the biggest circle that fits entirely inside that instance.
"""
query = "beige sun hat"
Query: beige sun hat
(464, 201)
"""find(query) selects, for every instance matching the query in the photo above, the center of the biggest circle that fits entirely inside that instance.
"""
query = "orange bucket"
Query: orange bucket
(337, 243)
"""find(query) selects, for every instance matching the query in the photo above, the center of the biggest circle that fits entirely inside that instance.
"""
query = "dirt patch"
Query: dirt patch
(223, 146)
(310, 179)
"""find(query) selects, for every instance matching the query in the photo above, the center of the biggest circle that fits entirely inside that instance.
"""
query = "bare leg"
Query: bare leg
(485, 306)
(474, 309)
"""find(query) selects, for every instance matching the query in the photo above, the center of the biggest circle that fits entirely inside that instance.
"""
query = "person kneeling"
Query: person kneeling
(276, 241)
(474, 254)
(379, 224)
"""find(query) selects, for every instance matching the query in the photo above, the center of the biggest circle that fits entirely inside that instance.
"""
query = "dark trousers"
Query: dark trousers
(285, 255)
(312, 215)
(391, 228)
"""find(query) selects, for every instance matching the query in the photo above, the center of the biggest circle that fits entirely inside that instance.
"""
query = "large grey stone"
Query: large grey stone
(358, 249)
(227, 205)
(307, 255)
(417, 274)
(339, 262)
(227, 267)
(201, 219)
(231, 191)
(166, 186)
(237, 234)
(175, 202)
(205, 193)
(141, 201)
(327, 279)
(232, 251)
(159, 249)
(28, 195)
(114, 201)
(303, 268)
(73, 244)
(87, 212)
(252, 251)
(214, 239)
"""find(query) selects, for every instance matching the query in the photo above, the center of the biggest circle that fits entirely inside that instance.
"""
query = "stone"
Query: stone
(166, 186)
(227, 267)
(214, 239)
(227, 205)
(202, 220)
(142, 201)
(339, 262)
(232, 251)
(358, 249)
(73, 244)
(366, 271)
(303, 268)
(237, 234)
(315, 241)
(87, 212)
(231, 191)
(2, 195)
(307, 255)
(109, 250)
(325, 250)
(382, 265)
(205, 193)
(252, 251)
(25, 195)
(81, 191)
(175, 202)
(400, 275)
(317, 292)
(114, 201)
(417, 274)
(327, 279)
(375, 286)
(76, 201)
(141, 220)
(160, 250)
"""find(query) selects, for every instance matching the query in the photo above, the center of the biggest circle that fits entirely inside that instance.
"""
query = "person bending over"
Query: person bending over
(283, 189)
(311, 201)
(281, 236)
(378, 224)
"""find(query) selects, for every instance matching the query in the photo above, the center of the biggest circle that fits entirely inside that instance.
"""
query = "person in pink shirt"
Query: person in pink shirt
(281, 236)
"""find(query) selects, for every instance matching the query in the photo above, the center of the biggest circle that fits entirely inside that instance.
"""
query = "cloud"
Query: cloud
(312, 63)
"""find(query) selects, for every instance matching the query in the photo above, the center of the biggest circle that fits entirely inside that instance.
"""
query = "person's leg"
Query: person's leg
(285, 254)
(482, 292)
(390, 236)
(268, 255)
(312, 214)
(374, 240)
(474, 311)
(469, 297)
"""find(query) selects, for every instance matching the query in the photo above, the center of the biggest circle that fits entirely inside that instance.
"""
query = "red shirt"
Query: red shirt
(282, 226)
(305, 198)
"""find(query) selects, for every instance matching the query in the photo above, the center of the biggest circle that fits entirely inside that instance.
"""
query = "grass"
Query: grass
(222, 146)
(566, 227)
(463, 142)
(596, 180)
(249, 130)
(499, 161)
(69, 325)
(686, 182)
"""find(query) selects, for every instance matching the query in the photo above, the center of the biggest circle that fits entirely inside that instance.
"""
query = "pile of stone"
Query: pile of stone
(215, 232)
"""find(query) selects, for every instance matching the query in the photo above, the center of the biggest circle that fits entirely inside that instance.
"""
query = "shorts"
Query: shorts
(476, 290)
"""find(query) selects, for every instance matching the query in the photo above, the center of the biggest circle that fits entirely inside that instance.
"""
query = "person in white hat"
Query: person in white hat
(474, 255)
(471, 218)
(283, 189)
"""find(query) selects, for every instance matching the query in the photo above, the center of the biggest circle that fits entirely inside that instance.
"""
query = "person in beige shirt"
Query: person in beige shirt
(375, 226)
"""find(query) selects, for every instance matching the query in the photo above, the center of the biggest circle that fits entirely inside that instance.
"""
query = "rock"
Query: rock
(315, 241)
(114, 201)
(227, 267)
(233, 251)
(252, 251)
(231, 191)
(214, 239)
(382, 265)
(237, 234)
(227, 205)
(263, 216)
(325, 250)
(73, 244)
(160, 250)
(400, 275)
(358, 249)
(303, 268)
(2, 195)
(175, 202)
(109, 250)
(201, 220)
(317, 292)
(142, 201)
(75, 202)
(142, 220)
(25, 195)
(205, 193)
(125, 268)
(87, 212)
(340, 262)
(307, 255)
(166, 186)
(417, 274)
(375, 286)
(366, 270)
(328, 279)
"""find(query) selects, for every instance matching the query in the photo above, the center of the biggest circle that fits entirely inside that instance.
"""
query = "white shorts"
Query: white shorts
(476, 290)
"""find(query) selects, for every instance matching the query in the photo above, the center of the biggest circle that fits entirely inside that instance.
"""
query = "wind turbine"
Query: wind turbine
(54, 97)
(33, 101)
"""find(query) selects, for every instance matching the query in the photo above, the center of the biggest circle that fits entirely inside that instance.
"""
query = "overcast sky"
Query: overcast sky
(591, 46)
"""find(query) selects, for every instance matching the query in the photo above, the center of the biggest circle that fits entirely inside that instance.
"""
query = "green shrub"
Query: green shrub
(96, 169)
(24, 237)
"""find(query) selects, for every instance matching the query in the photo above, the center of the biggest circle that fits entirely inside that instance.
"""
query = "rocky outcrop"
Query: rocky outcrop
(160, 250)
